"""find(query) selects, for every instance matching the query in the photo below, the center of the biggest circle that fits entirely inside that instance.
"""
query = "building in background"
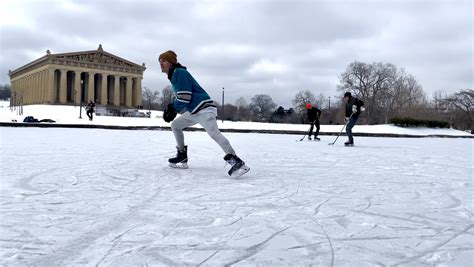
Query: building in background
(72, 78)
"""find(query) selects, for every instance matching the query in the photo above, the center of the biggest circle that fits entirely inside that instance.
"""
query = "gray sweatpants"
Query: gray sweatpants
(208, 121)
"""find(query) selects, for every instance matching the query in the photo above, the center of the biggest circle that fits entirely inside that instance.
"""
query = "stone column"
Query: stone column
(41, 77)
(63, 87)
(20, 87)
(77, 87)
(24, 92)
(45, 86)
(128, 92)
(27, 92)
(40, 87)
(117, 90)
(103, 90)
(51, 94)
(36, 88)
(138, 92)
(30, 90)
(90, 88)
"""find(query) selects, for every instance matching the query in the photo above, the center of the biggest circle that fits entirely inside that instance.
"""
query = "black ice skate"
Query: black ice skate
(349, 142)
(317, 139)
(181, 159)
(238, 166)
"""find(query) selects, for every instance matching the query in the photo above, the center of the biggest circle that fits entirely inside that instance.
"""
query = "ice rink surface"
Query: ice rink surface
(94, 197)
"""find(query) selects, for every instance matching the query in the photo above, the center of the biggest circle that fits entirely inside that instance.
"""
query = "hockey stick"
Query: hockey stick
(338, 135)
(341, 131)
(304, 135)
(302, 138)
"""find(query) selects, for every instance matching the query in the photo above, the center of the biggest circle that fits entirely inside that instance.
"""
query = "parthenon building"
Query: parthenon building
(69, 78)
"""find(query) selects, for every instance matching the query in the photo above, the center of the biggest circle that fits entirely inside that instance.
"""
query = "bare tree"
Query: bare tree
(262, 107)
(241, 102)
(402, 96)
(150, 97)
(5, 91)
(301, 98)
(439, 100)
(321, 101)
(385, 90)
(464, 102)
(243, 110)
(167, 96)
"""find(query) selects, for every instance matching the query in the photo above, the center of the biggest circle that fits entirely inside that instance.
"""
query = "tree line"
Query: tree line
(5, 92)
(387, 91)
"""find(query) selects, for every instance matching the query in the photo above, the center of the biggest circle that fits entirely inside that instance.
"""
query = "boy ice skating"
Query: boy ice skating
(195, 106)
(90, 109)
(353, 109)
(313, 114)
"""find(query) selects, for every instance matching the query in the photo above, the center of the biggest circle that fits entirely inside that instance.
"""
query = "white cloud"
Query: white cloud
(273, 47)
(267, 66)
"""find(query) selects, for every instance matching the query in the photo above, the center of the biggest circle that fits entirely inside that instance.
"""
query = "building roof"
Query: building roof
(97, 59)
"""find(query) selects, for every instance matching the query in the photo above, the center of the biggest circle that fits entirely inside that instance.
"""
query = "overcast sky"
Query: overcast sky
(276, 47)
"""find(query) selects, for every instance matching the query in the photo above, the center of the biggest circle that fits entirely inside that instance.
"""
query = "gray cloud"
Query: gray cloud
(252, 47)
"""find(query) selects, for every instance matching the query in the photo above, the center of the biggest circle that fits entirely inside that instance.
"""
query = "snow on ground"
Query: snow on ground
(70, 115)
(95, 197)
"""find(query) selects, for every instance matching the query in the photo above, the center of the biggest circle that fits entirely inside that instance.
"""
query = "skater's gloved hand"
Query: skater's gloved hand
(169, 113)
(346, 119)
(354, 108)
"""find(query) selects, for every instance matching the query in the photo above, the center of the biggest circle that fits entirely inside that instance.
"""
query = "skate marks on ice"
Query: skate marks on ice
(404, 197)
(75, 225)
(396, 203)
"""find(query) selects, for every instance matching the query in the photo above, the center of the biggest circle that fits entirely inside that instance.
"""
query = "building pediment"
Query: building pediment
(98, 57)
(98, 60)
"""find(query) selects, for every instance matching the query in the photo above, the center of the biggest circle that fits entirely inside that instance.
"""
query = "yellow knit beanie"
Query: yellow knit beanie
(169, 56)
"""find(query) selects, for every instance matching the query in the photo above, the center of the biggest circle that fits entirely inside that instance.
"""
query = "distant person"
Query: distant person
(90, 109)
(353, 109)
(314, 114)
(195, 106)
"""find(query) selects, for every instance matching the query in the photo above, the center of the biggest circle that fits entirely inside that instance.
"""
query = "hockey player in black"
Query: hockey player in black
(90, 109)
(313, 116)
(353, 109)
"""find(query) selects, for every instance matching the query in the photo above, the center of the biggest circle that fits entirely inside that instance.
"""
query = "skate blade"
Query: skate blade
(182, 165)
(239, 172)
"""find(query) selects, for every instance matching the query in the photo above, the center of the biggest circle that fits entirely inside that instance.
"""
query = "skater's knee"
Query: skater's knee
(176, 126)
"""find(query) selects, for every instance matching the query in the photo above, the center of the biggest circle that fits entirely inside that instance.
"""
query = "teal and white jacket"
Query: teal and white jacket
(189, 95)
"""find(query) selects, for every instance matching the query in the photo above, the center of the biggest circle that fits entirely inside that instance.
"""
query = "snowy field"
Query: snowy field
(94, 197)
(64, 114)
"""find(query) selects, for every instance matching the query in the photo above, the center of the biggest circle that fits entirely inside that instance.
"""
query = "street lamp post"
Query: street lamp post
(75, 93)
(14, 103)
(223, 111)
(21, 104)
(330, 119)
(80, 100)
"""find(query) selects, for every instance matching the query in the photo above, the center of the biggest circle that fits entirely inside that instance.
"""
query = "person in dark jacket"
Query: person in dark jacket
(90, 109)
(353, 109)
(313, 116)
(195, 106)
